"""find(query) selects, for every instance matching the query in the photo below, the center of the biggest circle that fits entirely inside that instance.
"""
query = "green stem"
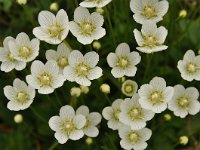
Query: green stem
(148, 59)
(53, 146)
(37, 114)
(57, 98)
(68, 45)
(110, 25)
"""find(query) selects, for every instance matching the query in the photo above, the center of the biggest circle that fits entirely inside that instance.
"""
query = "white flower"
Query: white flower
(53, 29)
(184, 101)
(81, 68)
(129, 87)
(60, 56)
(123, 61)
(45, 77)
(87, 27)
(94, 3)
(151, 38)
(20, 95)
(145, 10)
(8, 60)
(133, 115)
(112, 114)
(155, 95)
(189, 67)
(67, 125)
(92, 120)
(24, 49)
(134, 139)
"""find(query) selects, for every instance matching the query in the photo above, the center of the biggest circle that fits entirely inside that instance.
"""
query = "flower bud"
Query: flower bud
(105, 88)
(18, 118)
(75, 91)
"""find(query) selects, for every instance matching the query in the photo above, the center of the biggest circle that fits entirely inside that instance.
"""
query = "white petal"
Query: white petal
(158, 83)
(112, 59)
(46, 18)
(76, 135)
(149, 28)
(62, 18)
(136, 6)
(124, 144)
(22, 39)
(37, 67)
(117, 72)
(130, 71)
(192, 92)
(61, 137)
(7, 66)
(9, 92)
(91, 131)
(42, 34)
(95, 118)
(75, 58)
(107, 113)
(97, 19)
(45, 90)
(13, 105)
(162, 7)
(122, 49)
(91, 59)
(66, 112)
(79, 121)
(80, 14)
(19, 65)
(84, 110)
(95, 73)
(51, 55)
(161, 34)
(55, 123)
(83, 81)
(32, 81)
(69, 73)
(138, 37)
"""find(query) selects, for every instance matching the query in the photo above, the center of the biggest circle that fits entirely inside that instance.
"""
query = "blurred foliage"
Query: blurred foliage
(34, 133)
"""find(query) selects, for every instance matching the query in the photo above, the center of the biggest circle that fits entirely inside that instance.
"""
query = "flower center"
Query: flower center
(82, 69)
(133, 137)
(68, 126)
(156, 97)
(24, 52)
(129, 88)
(45, 79)
(191, 67)
(184, 102)
(10, 57)
(22, 97)
(55, 30)
(150, 41)
(135, 113)
(149, 11)
(123, 62)
(116, 113)
(87, 28)
(62, 62)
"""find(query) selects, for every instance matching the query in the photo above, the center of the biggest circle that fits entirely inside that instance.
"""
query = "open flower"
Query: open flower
(94, 3)
(24, 49)
(155, 95)
(189, 67)
(87, 27)
(53, 29)
(81, 68)
(123, 61)
(145, 10)
(67, 125)
(20, 95)
(134, 139)
(133, 115)
(8, 60)
(111, 114)
(60, 56)
(45, 77)
(184, 101)
(92, 120)
(151, 38)
(129, 88)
